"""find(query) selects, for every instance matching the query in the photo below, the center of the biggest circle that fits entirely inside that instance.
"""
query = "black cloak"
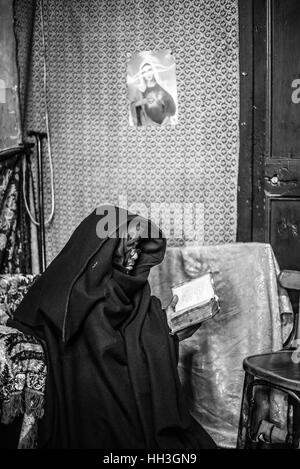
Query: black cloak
(112, 365)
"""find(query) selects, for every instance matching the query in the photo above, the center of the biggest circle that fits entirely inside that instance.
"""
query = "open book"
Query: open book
(197, 302)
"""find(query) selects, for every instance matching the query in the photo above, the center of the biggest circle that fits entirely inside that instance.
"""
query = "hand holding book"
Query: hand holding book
(186, 332)
(193, 302)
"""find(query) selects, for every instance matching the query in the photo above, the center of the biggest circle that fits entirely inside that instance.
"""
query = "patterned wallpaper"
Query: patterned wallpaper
(97, 156)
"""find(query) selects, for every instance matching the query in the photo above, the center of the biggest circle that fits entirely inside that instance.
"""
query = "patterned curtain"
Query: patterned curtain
(14, 223)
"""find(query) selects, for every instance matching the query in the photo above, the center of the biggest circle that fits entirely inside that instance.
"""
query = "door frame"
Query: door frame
(255, 116)
(245, 175)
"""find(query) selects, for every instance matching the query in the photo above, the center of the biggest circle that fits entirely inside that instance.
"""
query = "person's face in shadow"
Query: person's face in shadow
(127, 252)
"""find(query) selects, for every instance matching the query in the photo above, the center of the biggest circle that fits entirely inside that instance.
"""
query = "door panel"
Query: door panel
(275, 94)
(282, 146)
(285, 78)
(284, 230)
(282, 177)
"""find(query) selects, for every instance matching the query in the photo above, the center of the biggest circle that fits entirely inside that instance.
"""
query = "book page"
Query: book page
(194, 293)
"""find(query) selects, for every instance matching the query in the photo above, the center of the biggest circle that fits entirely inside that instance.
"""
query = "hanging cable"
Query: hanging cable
(49, 149)
(34, 221)
(47, 118)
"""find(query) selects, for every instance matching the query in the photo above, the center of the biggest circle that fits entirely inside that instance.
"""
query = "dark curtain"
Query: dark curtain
(14, 222)
(15, 231)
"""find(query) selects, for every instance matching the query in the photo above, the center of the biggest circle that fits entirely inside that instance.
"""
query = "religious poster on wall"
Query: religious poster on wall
(152, 90)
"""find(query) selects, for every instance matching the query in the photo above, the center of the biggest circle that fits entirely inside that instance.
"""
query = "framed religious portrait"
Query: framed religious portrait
(152, 90)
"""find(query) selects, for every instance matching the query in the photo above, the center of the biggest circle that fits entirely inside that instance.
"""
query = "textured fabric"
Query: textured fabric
(22, 382)
(22, 364)
(97, 155)
(13, 288)
(14, 226)
(112, 365)
(252, 303)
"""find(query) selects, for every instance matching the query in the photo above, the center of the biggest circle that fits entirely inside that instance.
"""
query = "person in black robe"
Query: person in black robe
(112, 378)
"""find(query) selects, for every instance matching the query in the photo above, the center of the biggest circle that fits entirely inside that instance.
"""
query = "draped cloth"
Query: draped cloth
(22, 384)
(255, 317)
(112, 366)
(15, 256)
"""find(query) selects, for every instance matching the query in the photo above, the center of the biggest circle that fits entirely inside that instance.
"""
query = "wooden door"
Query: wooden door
(269, 180)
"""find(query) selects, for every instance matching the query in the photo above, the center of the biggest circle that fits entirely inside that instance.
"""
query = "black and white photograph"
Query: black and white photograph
(149, 230)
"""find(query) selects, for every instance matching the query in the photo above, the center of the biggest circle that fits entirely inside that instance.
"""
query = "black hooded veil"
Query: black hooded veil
(112, 365)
